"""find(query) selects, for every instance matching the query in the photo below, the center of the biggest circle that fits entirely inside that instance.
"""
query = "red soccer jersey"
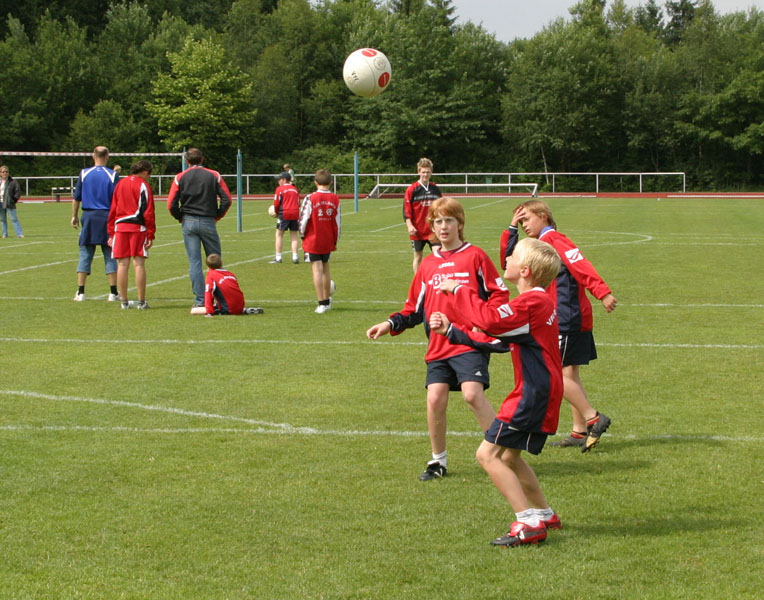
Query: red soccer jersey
(287, 202)
(320, 222)
(416, 206)
(529, 323)
(132, 207)
(468, 265)
(222, 293)
(574, 310)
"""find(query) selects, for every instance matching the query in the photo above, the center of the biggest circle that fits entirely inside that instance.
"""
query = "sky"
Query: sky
(510, 19)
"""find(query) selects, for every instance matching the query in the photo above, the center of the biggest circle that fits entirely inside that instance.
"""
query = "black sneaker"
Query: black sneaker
(569, 442)
(142, 305)
(434, 470)
(252, 311)
(595, 431)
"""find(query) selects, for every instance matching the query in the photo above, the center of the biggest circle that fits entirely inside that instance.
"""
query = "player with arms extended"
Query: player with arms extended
(574, 311)
(531, 410)
(416, 208)
(449, 367)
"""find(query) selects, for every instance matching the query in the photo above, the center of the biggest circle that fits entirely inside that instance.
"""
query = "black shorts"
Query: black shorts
(501, 434)
(311, 257)
(418, 245)
(577, 348)
(288, 225)
(470, 366)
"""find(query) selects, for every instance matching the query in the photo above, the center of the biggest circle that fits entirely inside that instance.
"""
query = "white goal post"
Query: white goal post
(465, 188)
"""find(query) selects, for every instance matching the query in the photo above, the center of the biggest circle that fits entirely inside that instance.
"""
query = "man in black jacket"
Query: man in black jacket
(199, 198)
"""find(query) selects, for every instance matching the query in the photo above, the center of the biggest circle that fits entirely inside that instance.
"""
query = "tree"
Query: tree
(649, 17)
(679, 15)
(203, 101)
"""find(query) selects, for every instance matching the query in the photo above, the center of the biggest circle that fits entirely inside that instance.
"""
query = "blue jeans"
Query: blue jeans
(14, 220)
(86, 259)
(199, 232)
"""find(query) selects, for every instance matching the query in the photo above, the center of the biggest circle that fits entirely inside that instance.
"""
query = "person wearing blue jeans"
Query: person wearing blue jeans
(198, 199)
(10, 192)
(199, 232)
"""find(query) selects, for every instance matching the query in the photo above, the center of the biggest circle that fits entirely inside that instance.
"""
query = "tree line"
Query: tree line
(672, 88)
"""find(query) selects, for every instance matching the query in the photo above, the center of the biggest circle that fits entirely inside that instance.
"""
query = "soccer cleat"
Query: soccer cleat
(142, 305)
(569, 441)
(520, 534)
(252, 311)
(321, 308)
(296, 261)
(434, 470)
(275, 261)
(595, 431)
(113, 298)
(125, 305)
(552, 522)
(79, 297)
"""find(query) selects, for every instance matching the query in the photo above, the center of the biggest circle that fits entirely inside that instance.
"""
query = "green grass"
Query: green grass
(159, 455)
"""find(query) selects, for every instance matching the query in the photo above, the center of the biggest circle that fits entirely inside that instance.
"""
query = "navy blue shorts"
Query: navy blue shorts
(418, 245)
(324, 258)
(288, 225)
(501, 434)
(470, 366)
(577, 348)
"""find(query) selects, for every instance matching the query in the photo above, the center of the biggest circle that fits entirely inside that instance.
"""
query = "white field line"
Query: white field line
(255, 341)
(266, 427)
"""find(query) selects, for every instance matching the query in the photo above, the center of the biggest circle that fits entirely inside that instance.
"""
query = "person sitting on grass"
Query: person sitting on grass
(222, 294)
(531, 411)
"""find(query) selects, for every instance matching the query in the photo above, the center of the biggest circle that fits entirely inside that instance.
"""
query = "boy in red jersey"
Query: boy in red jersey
(574, 312)
(320, 225)
(131, 227)
(222, 294)
(449, 368)
(287, 205)
(416, 207)
(531, 410)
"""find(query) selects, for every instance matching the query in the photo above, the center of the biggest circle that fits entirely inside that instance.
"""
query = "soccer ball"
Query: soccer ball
(272, 211)
(367, 72)
(332, 288)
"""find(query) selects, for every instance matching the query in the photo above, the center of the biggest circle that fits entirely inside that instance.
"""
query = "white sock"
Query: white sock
(544, 513)
(295, 256)
(528, 517)
(442, 458)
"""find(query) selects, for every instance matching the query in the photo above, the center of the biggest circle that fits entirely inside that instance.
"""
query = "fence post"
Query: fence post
(355, 180)
(238, 190)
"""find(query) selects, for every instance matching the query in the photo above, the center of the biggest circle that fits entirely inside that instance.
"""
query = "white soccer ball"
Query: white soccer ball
(367, 72)
(272, 211)
(332, 288)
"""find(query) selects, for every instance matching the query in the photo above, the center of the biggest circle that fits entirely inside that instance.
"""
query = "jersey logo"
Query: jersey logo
(505, 311)
(574, 255)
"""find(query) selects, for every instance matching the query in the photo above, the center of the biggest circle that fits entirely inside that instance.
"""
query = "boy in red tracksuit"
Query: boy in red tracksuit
(222, 294)
(131, 227)
(416, 210)
(574, 311)
(286, 203)
(449, 367)
(320, 226)
(531, 410)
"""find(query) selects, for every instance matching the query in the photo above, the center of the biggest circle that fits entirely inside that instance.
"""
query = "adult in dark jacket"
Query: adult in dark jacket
(10, 192)
(198, 198)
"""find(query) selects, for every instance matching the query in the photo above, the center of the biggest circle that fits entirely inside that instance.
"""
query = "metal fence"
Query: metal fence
(263, 184)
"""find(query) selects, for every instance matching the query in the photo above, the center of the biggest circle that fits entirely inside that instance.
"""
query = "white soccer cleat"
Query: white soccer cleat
(113, 298)
(322, 308)
(79, 297)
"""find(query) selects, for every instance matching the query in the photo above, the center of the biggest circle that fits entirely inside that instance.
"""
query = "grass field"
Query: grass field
(158, 455)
